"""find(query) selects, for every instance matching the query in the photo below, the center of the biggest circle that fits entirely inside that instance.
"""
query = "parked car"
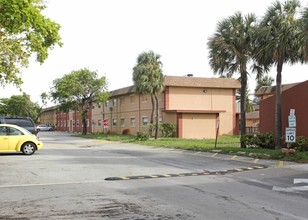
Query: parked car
(25, 122)
(14, 138)
(43, 128)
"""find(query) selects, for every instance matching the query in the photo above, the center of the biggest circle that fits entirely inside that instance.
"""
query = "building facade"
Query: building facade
(293, 96)
(199, 107)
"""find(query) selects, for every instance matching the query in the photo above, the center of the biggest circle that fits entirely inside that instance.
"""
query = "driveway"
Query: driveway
(76, 178)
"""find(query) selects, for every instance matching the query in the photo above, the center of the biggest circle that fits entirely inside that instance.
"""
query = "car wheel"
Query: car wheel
(28, 148)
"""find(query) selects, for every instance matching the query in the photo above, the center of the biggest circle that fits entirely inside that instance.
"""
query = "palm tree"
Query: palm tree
(263, 81)
(148, 79)
(304, 34)
(231, 50)
(277, 42)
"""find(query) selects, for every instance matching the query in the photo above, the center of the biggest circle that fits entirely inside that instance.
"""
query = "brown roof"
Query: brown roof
(123, 91)
(267, 90)
(252, 115)
(186, 81)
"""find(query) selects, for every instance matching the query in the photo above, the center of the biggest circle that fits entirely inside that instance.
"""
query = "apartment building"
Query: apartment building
(199, 107)
(294, 96)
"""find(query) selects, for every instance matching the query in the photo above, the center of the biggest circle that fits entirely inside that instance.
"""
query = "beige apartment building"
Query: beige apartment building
(199, 107)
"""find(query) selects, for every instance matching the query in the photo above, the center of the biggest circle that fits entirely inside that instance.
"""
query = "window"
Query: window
(114, 122)
(107, 103)
(77, 122)
(99, 122)
(13, 131)
(132, 122)
(145, 121)
(99, 105)
(122, 122)
(114, 102)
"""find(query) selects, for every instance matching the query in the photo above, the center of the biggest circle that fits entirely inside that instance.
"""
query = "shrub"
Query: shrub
(168, 129)
(249, 140)
(259, 140)
(266, 140)
(142, 136)
(301, 144)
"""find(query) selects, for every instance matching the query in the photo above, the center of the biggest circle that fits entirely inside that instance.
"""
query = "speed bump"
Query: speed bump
(205, 172)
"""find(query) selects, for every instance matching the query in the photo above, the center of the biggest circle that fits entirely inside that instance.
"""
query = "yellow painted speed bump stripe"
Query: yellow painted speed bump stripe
(205, 172)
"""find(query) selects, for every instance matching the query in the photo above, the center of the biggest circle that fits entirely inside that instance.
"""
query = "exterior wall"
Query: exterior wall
(48, 116)
(196, 112)
(127, 114)
(293, 98)
(198, 126)
(210, 99)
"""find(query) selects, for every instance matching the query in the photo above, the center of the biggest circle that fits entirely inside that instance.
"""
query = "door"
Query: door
(4, 141)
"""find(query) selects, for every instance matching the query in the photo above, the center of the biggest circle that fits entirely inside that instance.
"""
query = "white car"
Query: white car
(43, 128)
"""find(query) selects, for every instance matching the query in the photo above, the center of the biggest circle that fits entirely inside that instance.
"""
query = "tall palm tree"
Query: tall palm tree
(231, 50)
(277, 42)
(304, 34)
(148, 79)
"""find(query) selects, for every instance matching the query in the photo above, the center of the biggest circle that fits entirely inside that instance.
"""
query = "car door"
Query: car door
(14, 137)
(4, 140)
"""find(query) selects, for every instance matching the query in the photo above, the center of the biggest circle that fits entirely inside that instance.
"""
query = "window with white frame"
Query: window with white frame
(122, 122)
(132, 122)
(99, 122)
(114, 122)
(145, 120)
(114, 102)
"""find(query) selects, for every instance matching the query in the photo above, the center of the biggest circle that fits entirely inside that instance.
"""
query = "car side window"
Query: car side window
(3, 131)
(13, 131)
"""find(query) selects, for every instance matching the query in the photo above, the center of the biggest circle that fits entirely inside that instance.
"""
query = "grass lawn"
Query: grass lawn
(225, 145)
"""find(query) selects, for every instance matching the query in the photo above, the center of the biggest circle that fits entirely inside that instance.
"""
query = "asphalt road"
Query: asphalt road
(75, 178)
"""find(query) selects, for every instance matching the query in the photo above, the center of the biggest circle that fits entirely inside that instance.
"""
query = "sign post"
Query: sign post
(291, 130)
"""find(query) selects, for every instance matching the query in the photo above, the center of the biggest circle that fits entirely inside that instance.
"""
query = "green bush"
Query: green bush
(301, 144)
(249, 140)
(142, 136)
(265, 141)
(168, 129)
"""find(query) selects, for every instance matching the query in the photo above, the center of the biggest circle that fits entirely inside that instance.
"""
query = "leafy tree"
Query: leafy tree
(24, 31)
(77, 90)
(20, 105)
(148, 79)
(277, 42)
(249, 104)
(231, 50)
(304, 34)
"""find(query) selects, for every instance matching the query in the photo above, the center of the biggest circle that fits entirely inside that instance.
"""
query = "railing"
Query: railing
(252, 130)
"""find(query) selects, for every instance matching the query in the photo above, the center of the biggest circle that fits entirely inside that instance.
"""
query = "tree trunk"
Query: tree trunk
(243, 106)
(84, 122)
(156, 119)
(278, 116)
(152, 115)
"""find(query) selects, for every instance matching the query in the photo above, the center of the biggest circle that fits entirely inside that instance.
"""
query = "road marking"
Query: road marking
(294, 189)
(222, 172)
(232, 158)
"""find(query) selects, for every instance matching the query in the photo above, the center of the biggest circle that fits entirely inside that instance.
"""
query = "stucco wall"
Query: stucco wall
(198, 126)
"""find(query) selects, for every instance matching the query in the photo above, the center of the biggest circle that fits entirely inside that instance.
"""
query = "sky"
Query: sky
(108, 35)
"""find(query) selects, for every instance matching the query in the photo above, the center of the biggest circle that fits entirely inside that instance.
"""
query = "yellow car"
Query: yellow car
(17, 139)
